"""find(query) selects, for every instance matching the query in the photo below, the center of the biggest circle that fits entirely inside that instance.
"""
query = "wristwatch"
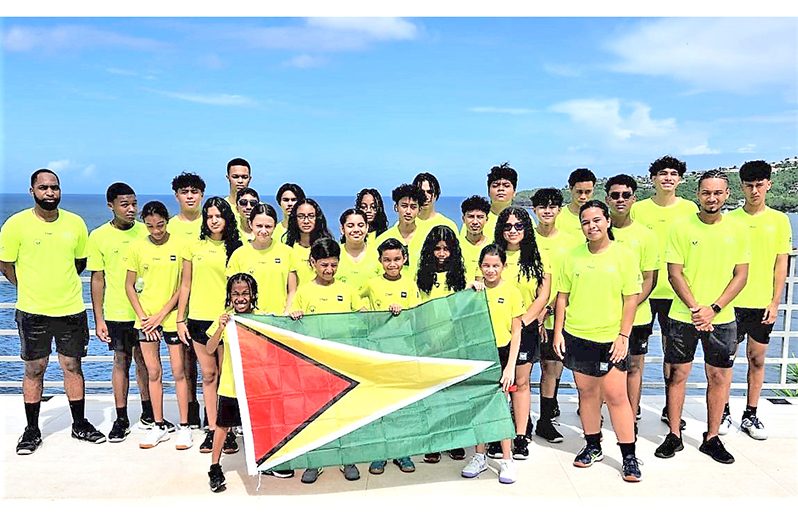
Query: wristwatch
(715, 307)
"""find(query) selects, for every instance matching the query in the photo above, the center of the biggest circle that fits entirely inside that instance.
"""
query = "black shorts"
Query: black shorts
(37, 332)
(530, 344)
(749, 321)
(504, 356)
(197, 330)
(170, 337)
(638, 339)
(227, 414)
(590, 357)
(124, 336)
(547, 348)
(660, 308)
(720, 345)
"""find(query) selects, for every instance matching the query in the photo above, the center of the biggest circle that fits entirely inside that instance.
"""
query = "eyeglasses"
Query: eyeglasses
(518, 226)
(617, 195)
(305, 217)
(246, 202)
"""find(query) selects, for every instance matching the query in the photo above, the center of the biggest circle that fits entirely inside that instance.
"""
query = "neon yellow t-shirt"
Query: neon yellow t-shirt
(245, 236)
(185, 230)
(569, 223)
(300, 264)
(708, 254)
(312, 298)
(279, 231)
(504, 304)
(660, 220)
(159, 267)
(413, 246)
(107, 251)
(637, 238)
(596, 284)
(439, 288)
(371, 239)
(512, 274)
(380, 293)
(357, 273)
(471, 256)
(208, 283)
(227, 384)
(270, 268)
(769, 234)
(438, 219)
(552, 251)
(44, 255)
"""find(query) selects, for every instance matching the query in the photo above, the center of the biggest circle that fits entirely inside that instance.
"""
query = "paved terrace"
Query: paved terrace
(66, 469)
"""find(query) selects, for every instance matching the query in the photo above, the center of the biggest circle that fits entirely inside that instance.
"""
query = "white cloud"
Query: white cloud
(605, 116)
(747, 148)
(376, 28)
(502, 110)
(59, 165)
(89, 172)
(209, 99)
(696, 150)
(305, 61)
(18, 38)
(728, 54)
(567, 71)
(120, 72)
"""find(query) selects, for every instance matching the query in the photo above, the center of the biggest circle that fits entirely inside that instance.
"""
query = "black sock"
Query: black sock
(749, 411)
(78, 408)
(32, 414)
(121, 413)
(627, 449)
(546, 408)
(556, 389)
(594, 439)
(726, 410)
(184, 424)
(146, 409)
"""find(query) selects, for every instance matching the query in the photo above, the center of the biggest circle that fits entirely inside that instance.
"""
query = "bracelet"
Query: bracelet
(624, 335)
(180, 321)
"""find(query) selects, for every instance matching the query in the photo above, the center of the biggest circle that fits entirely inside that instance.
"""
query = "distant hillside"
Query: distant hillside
(783, 196)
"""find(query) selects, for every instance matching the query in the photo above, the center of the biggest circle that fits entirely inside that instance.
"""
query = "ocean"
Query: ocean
(94, 211)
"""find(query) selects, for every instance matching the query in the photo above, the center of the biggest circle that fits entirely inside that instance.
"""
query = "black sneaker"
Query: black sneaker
(85, 431)
(230, 445)
(495, 450)
(311, 475)
(587, 456)
(631, 469)
(216, 478)
(670, 446)
(119, 431)
(457, 454)
(555, 412)
(30, 440)
(714, 448)
(170, 427)
(529, 428)
(207, 444)
(351, 473)
(520, 447)
(638, 415)
(194, 420)
(546, 430)
(432, 457)
(281, 474)
(666, 421)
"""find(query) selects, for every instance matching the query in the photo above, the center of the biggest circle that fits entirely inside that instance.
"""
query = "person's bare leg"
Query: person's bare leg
(676, 389)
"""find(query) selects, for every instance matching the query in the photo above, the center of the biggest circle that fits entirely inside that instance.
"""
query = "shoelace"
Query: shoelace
(756, 423)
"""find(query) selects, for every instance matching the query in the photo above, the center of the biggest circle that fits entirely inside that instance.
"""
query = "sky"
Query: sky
(337, 104)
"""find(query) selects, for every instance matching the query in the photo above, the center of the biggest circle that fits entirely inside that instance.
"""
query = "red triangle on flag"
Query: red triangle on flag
(286, 390)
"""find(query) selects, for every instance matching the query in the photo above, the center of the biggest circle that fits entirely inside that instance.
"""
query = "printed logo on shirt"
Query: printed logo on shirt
(403, 294)
(694, 242)
(173, 257)
(340, 298)
(277, 260)
(500, 300)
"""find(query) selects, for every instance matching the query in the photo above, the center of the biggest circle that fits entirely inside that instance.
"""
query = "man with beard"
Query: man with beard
(42, 253)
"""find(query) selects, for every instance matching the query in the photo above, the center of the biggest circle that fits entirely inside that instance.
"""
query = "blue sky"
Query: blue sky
(339, 104)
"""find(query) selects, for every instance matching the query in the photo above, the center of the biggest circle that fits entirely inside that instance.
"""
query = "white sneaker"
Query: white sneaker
(184, 440)
(506, 471)
(725, 424)
(475, 467)
(154, 436)
(754, 428)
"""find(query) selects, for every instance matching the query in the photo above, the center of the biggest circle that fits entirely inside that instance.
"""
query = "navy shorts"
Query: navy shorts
(37, 332)
(124, 336)
(749, 322)
(171, 338)
(638, 339)
(589, 357)
(504, 356)
(720, 345)
(227, 414)
(660, 308)
(197, 329)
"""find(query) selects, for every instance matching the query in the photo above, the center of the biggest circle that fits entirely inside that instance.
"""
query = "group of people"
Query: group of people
(580, 286)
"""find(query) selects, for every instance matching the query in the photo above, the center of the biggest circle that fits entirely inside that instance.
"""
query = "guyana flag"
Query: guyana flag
(332, 389)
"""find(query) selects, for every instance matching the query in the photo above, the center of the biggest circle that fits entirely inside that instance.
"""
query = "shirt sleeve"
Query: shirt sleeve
(518, 305)
(233, 265)
(9, 241)
(95, 261)
(632, 278)
(785, 236)
(83, 238)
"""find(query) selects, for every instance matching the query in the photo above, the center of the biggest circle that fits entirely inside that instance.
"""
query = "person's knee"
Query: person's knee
(34, 370)
(679, 374)
(716, 376)
(179, 374)
(756, 360)
(209, 377)
(154, 373)
(121, 361)
(71, 365)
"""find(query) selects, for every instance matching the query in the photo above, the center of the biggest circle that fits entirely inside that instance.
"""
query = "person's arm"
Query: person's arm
(704, 315)
(9, 270)
(155, 321)
(508, 374)
(680, 286)
(291, 285)
(132, 295)
(649, 282)
(620, 347)
(214, 340)
(538, 306)
(558, 342)
(779, 279)
(80, 265)
(97, 294)
(182, 302)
